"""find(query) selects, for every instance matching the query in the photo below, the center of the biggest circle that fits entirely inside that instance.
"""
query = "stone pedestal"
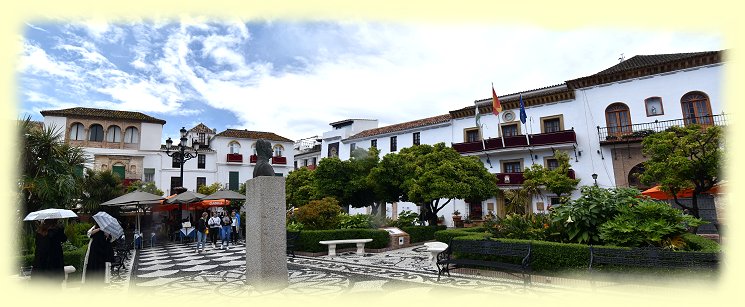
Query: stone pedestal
(266, 242)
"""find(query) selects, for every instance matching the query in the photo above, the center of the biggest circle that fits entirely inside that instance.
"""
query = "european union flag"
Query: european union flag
(523, 116)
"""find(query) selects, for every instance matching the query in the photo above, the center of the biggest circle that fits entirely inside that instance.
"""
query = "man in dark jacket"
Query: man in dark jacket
(48, 260)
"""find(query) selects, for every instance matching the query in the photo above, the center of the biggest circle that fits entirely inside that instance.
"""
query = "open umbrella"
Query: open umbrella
(185, 198)
(108, 224)
(225, 194)
(137, 198)
(50, 214)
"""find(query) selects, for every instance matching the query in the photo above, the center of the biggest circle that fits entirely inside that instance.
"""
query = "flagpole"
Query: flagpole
(522, 114)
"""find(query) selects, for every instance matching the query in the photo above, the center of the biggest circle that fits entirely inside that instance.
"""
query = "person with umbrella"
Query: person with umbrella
(48, 259)
(100, 250)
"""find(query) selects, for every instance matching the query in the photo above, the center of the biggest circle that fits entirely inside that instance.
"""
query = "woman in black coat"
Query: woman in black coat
(48, 260)
(100, 251)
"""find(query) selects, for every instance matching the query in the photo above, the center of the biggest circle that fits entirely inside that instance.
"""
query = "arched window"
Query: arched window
(696, 109)
(618, 119)
(278, 149)
(95, 133)
(77, 132)
(234, 147)
(131, 135)
(114, 134)
(253, 149)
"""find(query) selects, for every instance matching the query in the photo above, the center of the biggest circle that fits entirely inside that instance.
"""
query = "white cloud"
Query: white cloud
(35, 60)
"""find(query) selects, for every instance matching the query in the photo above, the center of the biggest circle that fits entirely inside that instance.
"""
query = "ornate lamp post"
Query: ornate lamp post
(181, 154)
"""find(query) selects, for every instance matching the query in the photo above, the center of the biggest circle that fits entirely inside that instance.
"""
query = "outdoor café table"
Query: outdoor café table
(435, 248)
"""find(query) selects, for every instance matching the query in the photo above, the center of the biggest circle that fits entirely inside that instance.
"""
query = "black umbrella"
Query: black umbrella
(225, 194)
(186, 198)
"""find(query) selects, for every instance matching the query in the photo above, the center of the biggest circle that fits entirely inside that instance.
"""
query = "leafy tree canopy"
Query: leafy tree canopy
(100, 186)
(209, 189)
(299, 187)
(148, 187)
(556, 180)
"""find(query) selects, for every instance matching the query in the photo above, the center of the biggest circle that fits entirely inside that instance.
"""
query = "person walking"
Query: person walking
(100, 251)
(226, 224)
(214, 225)
(49, 262)
(201, 229)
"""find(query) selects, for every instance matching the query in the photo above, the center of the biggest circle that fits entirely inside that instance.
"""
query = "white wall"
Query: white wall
(57, 123)
(150, 135)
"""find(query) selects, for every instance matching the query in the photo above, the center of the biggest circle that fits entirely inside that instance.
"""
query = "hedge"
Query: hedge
(308, 240)
(422, 233)
(699, 243)
(446, 235)
(74, 258)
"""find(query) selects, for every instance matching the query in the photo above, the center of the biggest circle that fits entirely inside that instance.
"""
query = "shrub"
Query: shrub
(308, 240)
(320, 214)
(545, 256)
(446, 235)
(406, 218)
(581, 218)
(422, 233)
(294, 226)
(357, 221)
(521, 226)
(648, 223)
(76, 233)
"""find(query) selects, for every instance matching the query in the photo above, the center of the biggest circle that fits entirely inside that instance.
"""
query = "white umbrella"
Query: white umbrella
(108, 224)
(50, 214)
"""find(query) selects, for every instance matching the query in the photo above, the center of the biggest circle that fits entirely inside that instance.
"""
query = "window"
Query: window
(696, 109)
(294, 164)
(552, 163)
(77, 132)
(201, 181)
(114, 135)
(618, 119)
(552, 124)
(278, 150)
(510, 130)
(373, 143)
(175, 162)
(471, 135)
(352, 147)
(555, 201)
(511, 167)
(394, 145)
(235, 148)
(253, 149)
(314, 161)
(131, 135)
(416, 138)
(201, 161)
(654, 106)
(175, 183)
(305, 162)
(149, 175)
(95, 133)
(202, 138)
(333, 150)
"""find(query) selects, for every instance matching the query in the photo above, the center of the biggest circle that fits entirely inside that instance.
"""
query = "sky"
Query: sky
(293, 78)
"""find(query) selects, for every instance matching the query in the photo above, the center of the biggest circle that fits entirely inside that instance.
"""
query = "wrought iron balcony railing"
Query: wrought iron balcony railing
(637, 132)
(550, 138)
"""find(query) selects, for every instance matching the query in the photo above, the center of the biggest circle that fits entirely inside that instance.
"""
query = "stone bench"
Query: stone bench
(332, 245)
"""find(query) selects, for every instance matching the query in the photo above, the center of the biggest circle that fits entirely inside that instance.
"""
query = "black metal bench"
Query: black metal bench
(292, 237)
(519, 253)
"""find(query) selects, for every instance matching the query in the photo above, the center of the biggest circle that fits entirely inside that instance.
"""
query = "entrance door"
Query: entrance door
(119, 170)
(475, 211)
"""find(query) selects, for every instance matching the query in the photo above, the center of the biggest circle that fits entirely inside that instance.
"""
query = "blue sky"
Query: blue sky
(293, 78)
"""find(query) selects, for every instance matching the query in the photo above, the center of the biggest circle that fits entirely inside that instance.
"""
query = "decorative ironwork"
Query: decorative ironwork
(637, 132)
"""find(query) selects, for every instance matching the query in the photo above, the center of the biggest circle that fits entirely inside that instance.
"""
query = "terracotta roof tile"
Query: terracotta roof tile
(103, 113)
(256, 135)
(201, 128)
(403, 126)
(640, 61)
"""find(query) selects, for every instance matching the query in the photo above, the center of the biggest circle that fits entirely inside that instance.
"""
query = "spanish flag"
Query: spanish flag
(496, 106)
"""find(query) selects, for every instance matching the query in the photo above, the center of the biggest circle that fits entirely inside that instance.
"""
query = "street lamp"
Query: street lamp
(181, 155)
(595, 177)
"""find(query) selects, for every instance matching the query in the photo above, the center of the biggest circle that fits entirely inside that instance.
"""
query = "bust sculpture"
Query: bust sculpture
(263, 154)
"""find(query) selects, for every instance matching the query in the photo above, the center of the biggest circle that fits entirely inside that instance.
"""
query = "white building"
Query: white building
(599, 120)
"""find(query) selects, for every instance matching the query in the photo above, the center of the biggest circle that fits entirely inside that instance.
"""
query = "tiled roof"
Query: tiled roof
(201, 128)
(103, 113)
(256, 135)
(640, 61)
(403, 126)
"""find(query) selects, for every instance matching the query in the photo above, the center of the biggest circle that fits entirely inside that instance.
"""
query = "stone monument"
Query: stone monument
(266, 241)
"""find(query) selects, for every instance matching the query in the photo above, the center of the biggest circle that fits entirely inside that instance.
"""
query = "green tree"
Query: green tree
(431, 177)
(100, 186)
(148, 187)
(299, 187)
(51, 175)
(209, 189)
(556, 180)
(684, 158)
(348, 181)
(320, 214)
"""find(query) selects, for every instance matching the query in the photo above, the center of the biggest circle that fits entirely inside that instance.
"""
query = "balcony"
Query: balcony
(504, 179)
(235, 158)
(253, 158)
(517, 141)
(279, 160)
(637, 132)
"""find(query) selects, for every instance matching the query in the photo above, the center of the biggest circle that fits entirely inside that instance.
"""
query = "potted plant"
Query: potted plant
(457, 222)
(467, 222)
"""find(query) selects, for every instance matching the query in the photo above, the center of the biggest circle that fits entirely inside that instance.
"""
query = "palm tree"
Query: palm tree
(100, 186)
(50, 174)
